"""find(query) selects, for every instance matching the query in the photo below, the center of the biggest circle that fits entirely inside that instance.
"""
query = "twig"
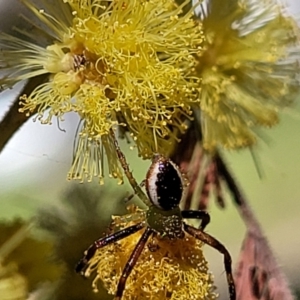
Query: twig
(258, 275)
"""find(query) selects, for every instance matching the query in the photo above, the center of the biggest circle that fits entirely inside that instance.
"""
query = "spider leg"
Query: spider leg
(137, 189)
(127, 199)
(132, 261)
(211, 241)
(112, 238)
(197, 214)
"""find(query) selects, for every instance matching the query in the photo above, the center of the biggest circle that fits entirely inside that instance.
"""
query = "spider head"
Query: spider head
(164, 183)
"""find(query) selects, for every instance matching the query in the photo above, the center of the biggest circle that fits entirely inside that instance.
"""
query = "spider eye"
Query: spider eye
(164, 183)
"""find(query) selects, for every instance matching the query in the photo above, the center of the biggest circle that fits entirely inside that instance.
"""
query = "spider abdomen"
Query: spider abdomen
(164, 183)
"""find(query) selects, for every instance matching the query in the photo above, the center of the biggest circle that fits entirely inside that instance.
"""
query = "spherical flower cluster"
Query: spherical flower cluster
(166, 269)
(125, 63)
(249, 69)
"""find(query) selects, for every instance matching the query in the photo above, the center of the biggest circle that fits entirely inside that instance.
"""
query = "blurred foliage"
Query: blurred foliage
(75, 223)
(29, 255)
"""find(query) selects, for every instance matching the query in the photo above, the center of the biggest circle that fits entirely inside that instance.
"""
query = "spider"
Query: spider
(164, 185)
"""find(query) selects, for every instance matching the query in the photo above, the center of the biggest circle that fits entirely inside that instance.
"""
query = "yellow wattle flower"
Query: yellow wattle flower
(175, 270)
(124, 63)
(13, 285)
(24, 261)
(249, 69)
